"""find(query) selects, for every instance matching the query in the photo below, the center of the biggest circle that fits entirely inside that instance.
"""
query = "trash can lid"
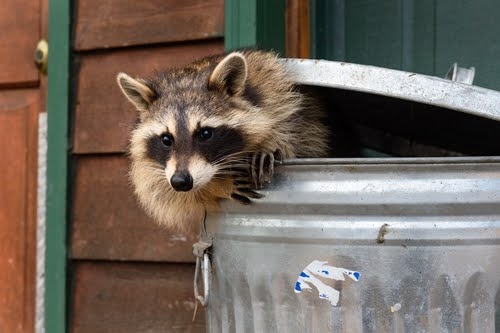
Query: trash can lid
(398, 84)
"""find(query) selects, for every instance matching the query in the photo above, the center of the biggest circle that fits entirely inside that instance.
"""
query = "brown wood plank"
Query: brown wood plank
(138, 297)
(104, 117)
(18, 172)
(44, 18)
(117, 23)
(108, 224)
(20, 29)
(298, 29)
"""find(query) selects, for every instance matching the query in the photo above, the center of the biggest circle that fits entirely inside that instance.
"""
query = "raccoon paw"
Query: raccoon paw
(262, 167)
(243, 191)
(243, 196)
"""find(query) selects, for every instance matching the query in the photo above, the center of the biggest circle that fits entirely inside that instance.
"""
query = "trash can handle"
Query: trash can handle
(205, 268)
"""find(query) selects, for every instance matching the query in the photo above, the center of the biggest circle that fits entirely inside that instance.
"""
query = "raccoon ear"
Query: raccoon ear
(136, 91)
(230, 74)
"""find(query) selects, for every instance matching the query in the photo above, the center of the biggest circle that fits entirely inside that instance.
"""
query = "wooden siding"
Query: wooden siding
(118, 23)
(134, 297)
(20, 28)
(127, 273)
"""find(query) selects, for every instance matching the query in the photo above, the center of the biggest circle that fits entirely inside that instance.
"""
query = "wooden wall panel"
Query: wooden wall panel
(108, 224)
(138, 297)
(116, 23)
(20, 31)
(18, 130)
(104, 117)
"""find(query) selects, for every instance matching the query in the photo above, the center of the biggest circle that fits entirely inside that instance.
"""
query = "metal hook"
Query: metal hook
(200, 251)
(205, 269)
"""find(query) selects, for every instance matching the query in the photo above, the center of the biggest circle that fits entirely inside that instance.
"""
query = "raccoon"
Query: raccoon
(213, 130)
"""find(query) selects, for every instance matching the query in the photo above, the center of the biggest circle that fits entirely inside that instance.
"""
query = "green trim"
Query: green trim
(255, 23)
(57, 166)
(328, 29)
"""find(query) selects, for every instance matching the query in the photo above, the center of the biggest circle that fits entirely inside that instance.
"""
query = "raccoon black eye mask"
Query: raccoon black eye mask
(213, 129)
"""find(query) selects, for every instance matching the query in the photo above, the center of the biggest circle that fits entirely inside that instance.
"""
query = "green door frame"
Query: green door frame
(255, 23)
(57, 165)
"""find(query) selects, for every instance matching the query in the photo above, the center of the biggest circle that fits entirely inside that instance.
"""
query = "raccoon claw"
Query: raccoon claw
(242, 199)
(262, 168)
(278, 156)
(246, 191)
(249, 193)
(243, 195)
(243, 191)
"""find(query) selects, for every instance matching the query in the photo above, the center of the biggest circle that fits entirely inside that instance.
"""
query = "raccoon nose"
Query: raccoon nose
(182, 181)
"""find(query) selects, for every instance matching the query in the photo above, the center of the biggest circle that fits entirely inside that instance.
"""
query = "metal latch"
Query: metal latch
(203, 265)
(460, 74)
(200, 250)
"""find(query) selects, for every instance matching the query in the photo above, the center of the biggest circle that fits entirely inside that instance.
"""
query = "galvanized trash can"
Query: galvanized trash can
(365, 244)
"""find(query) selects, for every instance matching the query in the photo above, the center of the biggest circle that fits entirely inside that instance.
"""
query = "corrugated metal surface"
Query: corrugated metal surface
(423, 233)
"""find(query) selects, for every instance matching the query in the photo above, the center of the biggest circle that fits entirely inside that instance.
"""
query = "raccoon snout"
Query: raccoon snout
(182, 181)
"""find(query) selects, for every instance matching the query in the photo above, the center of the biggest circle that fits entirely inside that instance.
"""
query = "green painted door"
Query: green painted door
(255, 23)
(423, 36)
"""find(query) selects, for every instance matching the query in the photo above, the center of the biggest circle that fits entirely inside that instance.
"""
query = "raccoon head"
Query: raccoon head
(188, 128)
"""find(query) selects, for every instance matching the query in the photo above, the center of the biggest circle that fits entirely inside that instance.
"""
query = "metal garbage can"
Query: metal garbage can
(406, 244)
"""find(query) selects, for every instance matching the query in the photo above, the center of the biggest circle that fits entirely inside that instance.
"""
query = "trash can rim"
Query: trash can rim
(393, 160)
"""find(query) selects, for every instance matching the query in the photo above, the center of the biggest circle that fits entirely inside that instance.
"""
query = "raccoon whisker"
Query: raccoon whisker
(221, 178)
(232, 163)
(232, 166)
(230, 159)
(223, 153)
(228, 172)
(241, 154)
(222, 158)
(155, 170)
(215, 177)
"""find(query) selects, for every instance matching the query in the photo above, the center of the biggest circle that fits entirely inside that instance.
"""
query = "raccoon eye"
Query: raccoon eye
(166, 140)
(206, 134)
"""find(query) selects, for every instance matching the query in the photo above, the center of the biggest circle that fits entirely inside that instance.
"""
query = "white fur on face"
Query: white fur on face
(155, 128)
(201, 171)
(170, 168)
